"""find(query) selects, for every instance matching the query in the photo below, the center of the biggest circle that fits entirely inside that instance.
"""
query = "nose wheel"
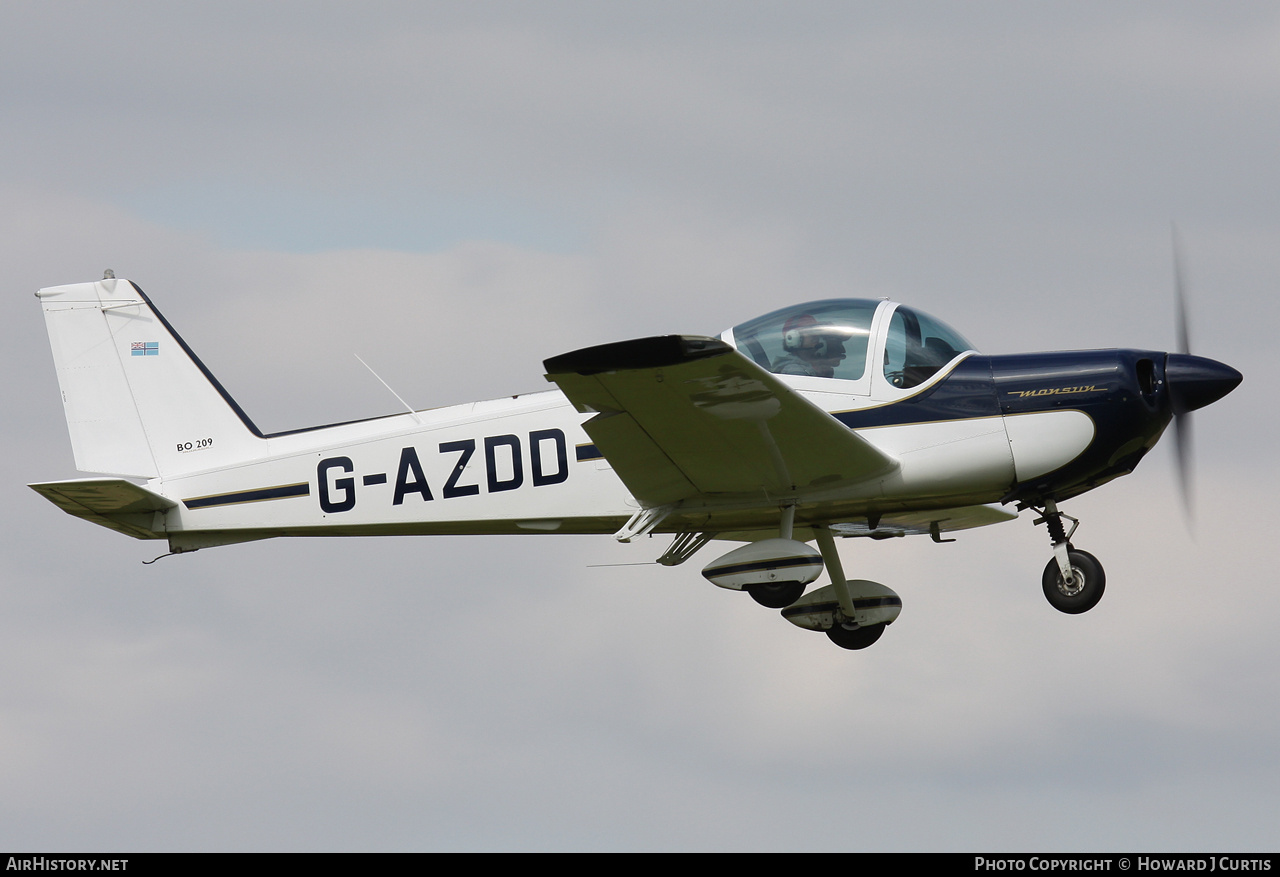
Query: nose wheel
(1084, 590)
(1073, 580)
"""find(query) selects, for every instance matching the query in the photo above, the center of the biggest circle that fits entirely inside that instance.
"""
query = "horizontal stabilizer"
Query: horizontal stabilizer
(110, 502)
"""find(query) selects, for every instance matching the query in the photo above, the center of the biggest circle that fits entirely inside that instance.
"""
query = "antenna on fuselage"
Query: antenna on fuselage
(412, 413)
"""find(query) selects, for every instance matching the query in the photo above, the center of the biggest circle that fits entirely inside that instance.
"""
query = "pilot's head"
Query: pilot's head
(818, 345)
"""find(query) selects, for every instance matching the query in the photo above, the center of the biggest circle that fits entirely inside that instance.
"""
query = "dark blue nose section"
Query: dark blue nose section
(1195, 381)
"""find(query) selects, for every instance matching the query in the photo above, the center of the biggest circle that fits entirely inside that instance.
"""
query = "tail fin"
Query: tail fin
(138, 401)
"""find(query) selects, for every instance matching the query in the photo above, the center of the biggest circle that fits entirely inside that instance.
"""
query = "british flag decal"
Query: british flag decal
(145, 348)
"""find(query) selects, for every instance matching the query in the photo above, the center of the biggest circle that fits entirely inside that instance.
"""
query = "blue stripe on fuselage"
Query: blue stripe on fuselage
(1104, 384)
(968, 391)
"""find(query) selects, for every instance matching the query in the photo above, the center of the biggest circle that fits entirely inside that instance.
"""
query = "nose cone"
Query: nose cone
(1195, 381)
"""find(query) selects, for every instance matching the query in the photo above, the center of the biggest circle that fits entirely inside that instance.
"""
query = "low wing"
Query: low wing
(110, 502)
(683, 416)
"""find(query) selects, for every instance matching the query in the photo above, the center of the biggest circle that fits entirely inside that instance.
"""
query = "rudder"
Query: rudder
(137, 400)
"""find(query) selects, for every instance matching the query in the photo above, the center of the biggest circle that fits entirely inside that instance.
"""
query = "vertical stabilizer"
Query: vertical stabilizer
(138, 402)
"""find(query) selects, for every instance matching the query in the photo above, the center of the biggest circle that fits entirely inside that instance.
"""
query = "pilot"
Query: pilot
(811, 348)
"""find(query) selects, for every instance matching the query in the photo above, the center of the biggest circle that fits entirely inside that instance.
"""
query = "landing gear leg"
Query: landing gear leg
(1074, 580)
(846, 632)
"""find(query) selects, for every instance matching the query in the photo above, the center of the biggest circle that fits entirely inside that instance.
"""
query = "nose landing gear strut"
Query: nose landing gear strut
(1073, 580)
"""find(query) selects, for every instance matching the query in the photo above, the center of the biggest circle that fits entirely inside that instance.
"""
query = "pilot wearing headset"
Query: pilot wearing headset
(811, 348)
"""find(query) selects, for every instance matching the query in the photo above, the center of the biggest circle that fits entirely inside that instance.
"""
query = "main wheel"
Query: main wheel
(1085, 590)
(856, 637)
(776, 595)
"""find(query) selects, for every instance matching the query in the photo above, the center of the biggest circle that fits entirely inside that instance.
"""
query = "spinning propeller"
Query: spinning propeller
(1193, 381)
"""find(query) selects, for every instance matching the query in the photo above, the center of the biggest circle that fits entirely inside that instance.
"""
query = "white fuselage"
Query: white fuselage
(405, 474)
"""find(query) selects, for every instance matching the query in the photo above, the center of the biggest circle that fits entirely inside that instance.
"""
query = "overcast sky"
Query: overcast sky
(457, 191)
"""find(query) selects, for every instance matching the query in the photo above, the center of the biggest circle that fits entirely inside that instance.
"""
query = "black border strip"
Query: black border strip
(834, 605)
(587, 452)
(226, 397)
(260, 494)
(755, 565)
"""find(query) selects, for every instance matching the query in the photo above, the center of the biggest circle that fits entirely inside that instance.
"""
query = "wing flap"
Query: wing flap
(684, 416)
(640, 462)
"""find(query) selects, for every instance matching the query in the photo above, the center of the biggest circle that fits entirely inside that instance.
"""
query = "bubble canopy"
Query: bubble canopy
(833, 339)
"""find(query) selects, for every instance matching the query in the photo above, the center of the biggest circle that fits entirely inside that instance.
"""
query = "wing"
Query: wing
(681, 416)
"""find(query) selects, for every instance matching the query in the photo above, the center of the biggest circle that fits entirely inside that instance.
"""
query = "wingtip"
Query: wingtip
(657, 352)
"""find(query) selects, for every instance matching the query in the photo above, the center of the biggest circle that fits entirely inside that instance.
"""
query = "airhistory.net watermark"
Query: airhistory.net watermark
(42, 863)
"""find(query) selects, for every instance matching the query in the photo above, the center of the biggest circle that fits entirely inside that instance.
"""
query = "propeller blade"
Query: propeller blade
(1179, 289)
(1183, 446)
(1182, 419)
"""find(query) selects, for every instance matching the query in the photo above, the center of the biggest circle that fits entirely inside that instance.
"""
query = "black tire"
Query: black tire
(856, 638)
(1086, 591)
(776, 595)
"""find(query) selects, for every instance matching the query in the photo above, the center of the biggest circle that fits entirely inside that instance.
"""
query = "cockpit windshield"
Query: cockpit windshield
(826, 339)
(917, 347)
(831, 339)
